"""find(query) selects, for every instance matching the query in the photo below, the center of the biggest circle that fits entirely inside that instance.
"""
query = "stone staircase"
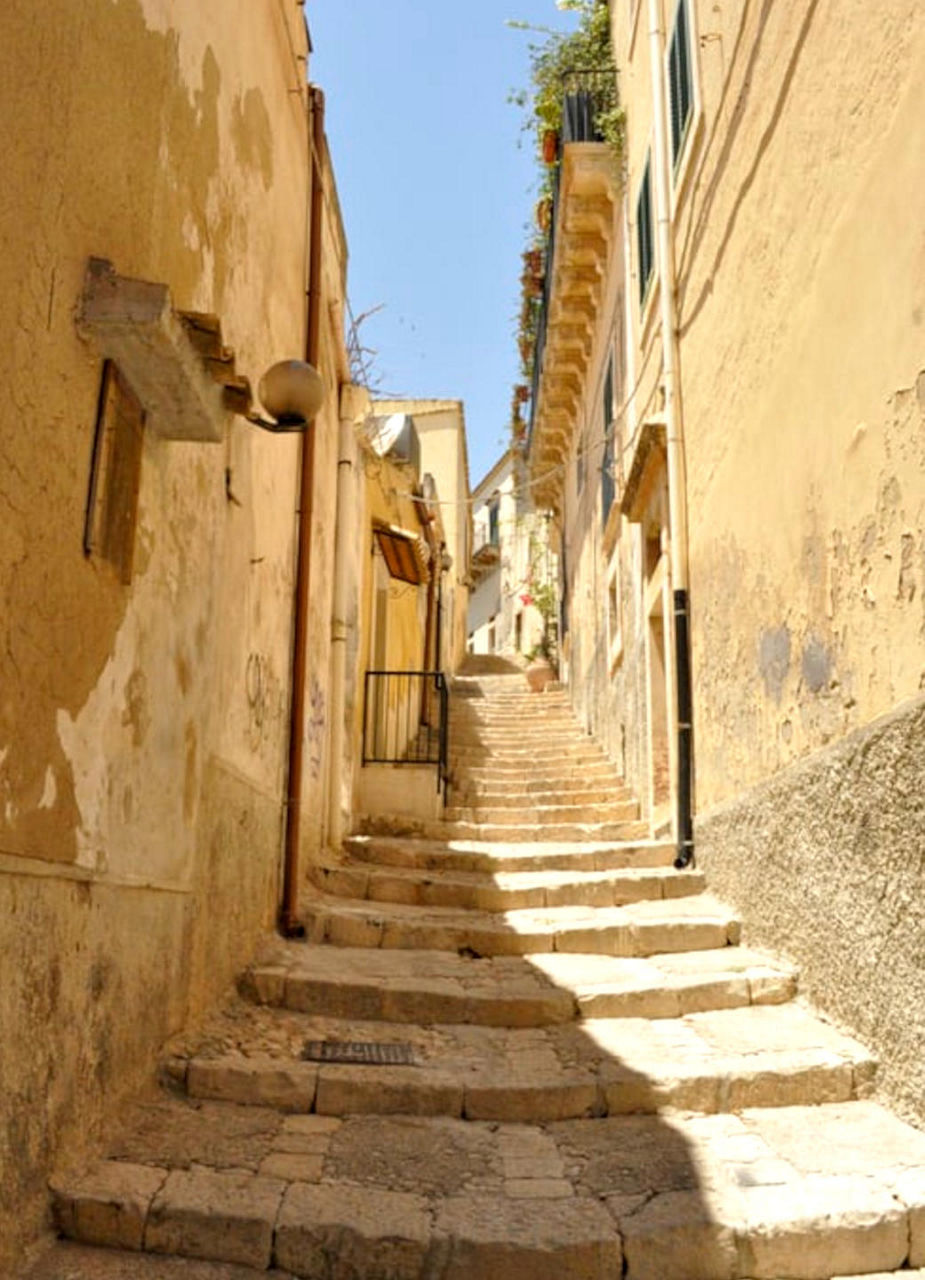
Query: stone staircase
(580, 1074)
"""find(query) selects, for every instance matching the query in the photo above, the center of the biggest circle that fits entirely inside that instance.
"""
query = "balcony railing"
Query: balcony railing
(406, 720)
(586, 93)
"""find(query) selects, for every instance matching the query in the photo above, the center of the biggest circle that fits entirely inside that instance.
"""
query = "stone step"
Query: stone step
(495, 832)
(513, 791)
(518, 735)
(65, 1260)
(549, 751)
(543, 815)
(770, 1056)
(505, 890)
(696, 923)
(480, 711)
(481, 801)
(810, 1192)
(496, 857)
(533, 777)
(511, 991)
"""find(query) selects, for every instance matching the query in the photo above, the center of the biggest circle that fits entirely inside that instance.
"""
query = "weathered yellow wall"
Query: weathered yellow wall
(801, 313)
(800, 264)
(142, 729)
(441, 428)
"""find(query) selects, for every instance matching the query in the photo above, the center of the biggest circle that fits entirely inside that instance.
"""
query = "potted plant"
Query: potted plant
(550, 146)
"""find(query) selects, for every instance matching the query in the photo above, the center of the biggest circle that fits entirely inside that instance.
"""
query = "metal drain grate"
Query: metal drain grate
(372, 1053)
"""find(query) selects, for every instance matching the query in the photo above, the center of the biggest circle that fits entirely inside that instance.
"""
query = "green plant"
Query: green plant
(543, 595)
(559, 62)
(556, 60)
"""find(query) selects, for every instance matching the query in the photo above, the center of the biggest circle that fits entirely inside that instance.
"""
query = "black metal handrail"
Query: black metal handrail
(406, 720)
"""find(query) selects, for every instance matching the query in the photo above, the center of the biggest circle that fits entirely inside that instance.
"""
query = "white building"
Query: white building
(513, 573)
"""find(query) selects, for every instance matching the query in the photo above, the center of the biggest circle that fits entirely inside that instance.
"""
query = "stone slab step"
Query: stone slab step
(499, 856)
(577, 790)
(799, 1192)
(511, 991)
(67, 1261)
(552, 752)
(696, 923)
(505, 890)
(497, 720)
(723, 1060)
(544, 816)
(523, 741)
(551, 762)
(522, 833)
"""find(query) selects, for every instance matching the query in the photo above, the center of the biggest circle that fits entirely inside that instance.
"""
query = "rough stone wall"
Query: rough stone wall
(826, 862)
(143, 728)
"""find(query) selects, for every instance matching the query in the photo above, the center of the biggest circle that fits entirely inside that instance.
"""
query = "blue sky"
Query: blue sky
(435, 189)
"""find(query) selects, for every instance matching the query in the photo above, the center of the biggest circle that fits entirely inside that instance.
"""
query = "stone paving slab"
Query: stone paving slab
(638, 929)
(714, 1061)
(679, 1196)
(516, 991)
(495, 857)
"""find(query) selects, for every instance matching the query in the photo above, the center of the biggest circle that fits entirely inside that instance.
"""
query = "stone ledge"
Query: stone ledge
(175, 364)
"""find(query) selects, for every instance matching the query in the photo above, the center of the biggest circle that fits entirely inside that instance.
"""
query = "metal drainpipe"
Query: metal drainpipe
(677, 480)
(344, 535)
(289, 924)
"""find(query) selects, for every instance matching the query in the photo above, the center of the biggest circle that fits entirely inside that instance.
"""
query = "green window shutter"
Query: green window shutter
(680, 81)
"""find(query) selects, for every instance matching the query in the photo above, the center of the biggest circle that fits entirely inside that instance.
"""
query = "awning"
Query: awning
(406, 554)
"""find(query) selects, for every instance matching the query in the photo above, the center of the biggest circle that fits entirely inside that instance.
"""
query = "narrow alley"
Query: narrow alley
(539, 1052)
(462, 617)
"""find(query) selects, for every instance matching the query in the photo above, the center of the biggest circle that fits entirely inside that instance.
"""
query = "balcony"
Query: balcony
(578, 248)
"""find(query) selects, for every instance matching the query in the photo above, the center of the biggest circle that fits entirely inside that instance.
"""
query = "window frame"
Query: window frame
(681, 159)
(645, 225)
(614, 598)
(608, 479)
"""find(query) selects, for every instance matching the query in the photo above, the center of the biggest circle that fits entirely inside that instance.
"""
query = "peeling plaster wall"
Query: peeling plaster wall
(143, 728)
(825, 860)
(803, 361)
(801, 262)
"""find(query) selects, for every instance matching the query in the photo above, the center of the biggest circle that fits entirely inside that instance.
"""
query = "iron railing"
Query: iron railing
(406, 720)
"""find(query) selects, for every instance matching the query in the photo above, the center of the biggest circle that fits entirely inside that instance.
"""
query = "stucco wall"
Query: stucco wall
(143, 728)
(803, 350)
(441, 429)
(802, 375)
(825, 862)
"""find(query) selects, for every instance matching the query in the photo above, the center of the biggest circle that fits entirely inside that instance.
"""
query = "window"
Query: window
(614, 610)
(494, 507)
(607, 479)
(680, 81)
(644, 230)
(115, 474)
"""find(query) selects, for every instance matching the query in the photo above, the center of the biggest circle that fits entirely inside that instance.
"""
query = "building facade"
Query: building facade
(760, 295)
(157, 231)
(513, 569)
